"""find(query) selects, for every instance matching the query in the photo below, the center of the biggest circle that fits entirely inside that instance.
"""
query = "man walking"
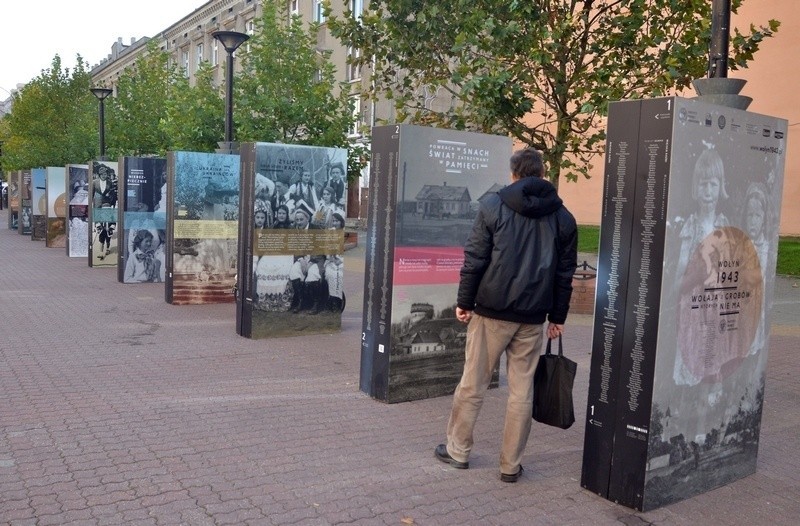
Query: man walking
(517, 273)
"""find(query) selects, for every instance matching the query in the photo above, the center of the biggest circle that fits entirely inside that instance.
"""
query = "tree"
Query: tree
(287, 90)
(5, 135)
(194, 114)
(138, 108)
(541, 71)
(53, 121)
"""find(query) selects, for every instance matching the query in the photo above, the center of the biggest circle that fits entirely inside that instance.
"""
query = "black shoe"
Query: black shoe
(511, 478)
(442, 454)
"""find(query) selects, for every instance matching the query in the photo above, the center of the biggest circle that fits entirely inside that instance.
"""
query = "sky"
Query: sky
(33, 32)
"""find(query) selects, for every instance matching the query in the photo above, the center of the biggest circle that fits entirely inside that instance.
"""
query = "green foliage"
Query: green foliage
(541, 71)
(195, 114)
(788, 249)
(789, 256)
(135, 114)
(53, 121)
(5, 135)
(287, 90)
(588, 238)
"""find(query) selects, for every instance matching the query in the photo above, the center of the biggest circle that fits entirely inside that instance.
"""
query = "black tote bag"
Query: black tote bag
(552, 388)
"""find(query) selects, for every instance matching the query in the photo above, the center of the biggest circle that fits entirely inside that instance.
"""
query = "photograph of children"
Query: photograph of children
(142, 264)
(719, 270)
(298, 286)
(152, 247)
(144, 228)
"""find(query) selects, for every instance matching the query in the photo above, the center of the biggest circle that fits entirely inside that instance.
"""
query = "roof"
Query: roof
(444, 193)
(496, 187)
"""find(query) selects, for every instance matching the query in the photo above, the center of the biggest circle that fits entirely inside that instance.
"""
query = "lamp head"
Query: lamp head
(101, 93)
(230, 40)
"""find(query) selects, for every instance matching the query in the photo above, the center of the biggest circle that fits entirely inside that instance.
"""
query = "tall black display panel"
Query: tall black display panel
(103, 213)
(55, 189)
(39, 204)
(202, 221)
(425, 187)
(142, 220)
(13, 201)
(688, 245)
(78, 211)
(25, 203)
(291, 240)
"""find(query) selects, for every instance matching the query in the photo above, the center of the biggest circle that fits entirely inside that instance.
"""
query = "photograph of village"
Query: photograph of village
(442, 176)
(440, 214)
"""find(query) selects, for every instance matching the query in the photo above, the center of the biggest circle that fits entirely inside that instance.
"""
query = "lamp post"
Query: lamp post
(230, 40)
(720, 35)
(101, 94)
(717, 88)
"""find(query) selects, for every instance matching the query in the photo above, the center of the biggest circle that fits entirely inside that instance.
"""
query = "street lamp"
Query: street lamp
(720, 35)
(717, 88)
(230, 40)
(101, 94)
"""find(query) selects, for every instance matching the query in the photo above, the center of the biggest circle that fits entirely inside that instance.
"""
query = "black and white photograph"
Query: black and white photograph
(103, 245)
(13, 202)
(142, 227)
(724, 230)
(293, 240)
(25, 203)
(413, 344)
(686, 270)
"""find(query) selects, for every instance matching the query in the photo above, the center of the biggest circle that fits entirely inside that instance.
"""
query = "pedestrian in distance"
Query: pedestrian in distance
(518, 265)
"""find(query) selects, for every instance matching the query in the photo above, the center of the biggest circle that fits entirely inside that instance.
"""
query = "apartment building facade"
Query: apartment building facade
(771, 84)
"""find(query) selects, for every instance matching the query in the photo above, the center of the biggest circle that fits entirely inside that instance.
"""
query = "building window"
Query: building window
(357, 7)
(215, 52)
(355, 126)
(250, 26)
(185, 61)
(294, 7)
(319, 11)
(199, 58)
(353, 69)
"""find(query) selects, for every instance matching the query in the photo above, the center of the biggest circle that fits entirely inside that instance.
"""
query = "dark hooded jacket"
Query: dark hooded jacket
(521, 255)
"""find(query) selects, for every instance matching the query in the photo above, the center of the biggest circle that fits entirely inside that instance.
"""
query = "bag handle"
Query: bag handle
(560, 346)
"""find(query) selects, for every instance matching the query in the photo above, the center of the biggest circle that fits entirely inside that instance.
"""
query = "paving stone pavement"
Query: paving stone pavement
(117, 408)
